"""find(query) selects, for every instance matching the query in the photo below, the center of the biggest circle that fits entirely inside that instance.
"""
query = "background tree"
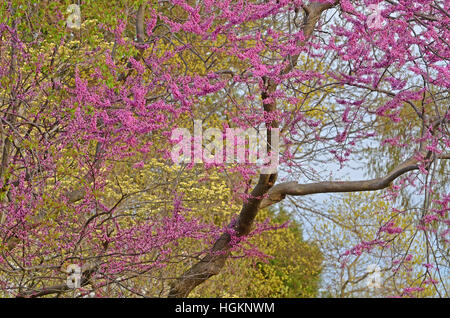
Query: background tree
(290, 268)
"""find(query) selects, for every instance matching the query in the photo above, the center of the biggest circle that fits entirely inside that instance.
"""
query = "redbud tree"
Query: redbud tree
(91, 94)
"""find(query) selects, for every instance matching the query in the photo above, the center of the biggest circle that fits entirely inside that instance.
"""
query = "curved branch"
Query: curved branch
(279, 191)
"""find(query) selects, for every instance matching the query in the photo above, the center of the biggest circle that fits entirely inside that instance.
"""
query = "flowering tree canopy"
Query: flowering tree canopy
(92, 92)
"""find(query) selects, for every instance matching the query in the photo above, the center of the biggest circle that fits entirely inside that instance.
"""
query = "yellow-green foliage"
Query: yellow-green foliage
(291, 270)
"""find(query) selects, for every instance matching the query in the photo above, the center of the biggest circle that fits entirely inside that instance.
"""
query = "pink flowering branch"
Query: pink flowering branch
(215, 260)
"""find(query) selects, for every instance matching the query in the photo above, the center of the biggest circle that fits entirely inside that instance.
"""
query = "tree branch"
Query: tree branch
(279, 191)
(140, 36)
(85, 280)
